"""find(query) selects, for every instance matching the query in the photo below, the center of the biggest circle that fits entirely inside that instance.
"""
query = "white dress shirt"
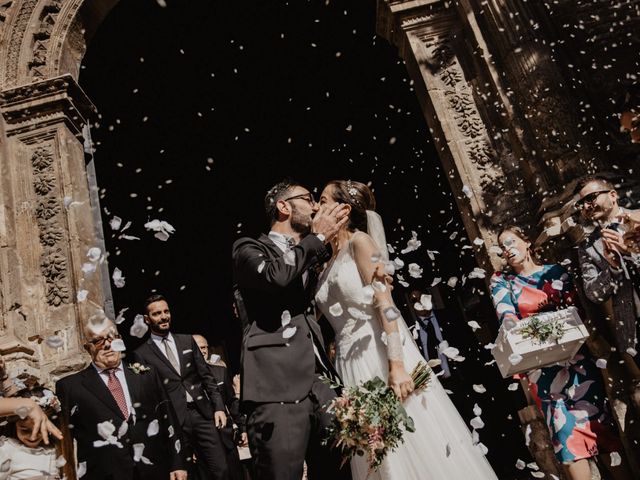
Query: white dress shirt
(282, 242)
(103, 373)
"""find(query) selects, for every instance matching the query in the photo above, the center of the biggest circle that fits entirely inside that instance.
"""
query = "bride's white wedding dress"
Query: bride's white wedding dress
(441, 448)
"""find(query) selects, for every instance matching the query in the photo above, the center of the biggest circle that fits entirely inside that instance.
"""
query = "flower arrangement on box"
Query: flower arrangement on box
(542, 331)
(370, 419)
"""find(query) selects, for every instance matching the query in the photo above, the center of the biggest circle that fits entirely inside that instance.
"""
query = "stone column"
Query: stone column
(50, 254)
(466, 115)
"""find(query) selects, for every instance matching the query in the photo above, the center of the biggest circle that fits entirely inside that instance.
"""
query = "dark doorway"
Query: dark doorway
(205, 104)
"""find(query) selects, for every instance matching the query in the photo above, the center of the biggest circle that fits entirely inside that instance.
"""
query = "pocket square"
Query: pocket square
(187, 350)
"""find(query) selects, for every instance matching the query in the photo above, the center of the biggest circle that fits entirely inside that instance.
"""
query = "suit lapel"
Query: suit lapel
(180, 349)
(94, 384)
(154, 348)
(275, 250)
(132, 385)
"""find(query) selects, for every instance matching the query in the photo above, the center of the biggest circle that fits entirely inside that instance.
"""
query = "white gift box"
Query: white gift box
(515, 353)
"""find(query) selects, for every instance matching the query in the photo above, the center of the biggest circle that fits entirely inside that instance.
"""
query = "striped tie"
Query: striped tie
(115, 387)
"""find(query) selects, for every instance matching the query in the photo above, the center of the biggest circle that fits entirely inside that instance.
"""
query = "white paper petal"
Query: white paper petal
(153, 428)
(54, 341)
(479, 388)
(117, 345)
(285, 318)
(289, 332)
(336, 309)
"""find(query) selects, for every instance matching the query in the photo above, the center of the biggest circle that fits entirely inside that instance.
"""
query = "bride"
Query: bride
(372, 341)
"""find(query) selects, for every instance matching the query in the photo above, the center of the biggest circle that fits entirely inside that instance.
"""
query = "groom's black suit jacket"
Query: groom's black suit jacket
(86, 401)
(195, 376)
(274, 368)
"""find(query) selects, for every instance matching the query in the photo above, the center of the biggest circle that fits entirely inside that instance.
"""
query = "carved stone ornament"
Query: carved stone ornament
(48, 209)
(37, 104)
(462, 107)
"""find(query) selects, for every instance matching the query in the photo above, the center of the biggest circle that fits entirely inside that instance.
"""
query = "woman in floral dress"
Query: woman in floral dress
(571, 395)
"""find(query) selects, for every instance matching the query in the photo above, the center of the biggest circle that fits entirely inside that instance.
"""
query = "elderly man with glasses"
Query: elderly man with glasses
(119, 415)
(610, 268)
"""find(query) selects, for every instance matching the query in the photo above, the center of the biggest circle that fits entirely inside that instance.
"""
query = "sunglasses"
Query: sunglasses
(589, 199)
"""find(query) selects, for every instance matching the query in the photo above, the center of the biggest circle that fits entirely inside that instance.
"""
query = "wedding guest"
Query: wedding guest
(234, 433)
(122, 419)
(571, 396)
(42, 425)
(24, 456)
(429, 327)
(610, 273)
(189, 384)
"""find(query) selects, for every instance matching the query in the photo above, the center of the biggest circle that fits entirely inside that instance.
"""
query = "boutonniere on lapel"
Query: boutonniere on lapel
(138, 368)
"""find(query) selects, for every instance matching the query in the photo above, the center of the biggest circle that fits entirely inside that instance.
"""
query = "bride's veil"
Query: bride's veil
(375, 229)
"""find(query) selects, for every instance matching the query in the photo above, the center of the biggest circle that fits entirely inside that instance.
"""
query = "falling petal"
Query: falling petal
(289, 332)
(285, 318)
(474, 325)
(118, 345)
(479, 388)
(336, 309)
(54, 341)
(153, 428)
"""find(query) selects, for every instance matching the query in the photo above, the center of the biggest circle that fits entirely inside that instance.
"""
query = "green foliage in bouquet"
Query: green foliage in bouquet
(371, 420)
(542, 331)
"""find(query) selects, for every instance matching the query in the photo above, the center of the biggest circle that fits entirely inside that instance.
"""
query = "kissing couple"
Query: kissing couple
(328, 253)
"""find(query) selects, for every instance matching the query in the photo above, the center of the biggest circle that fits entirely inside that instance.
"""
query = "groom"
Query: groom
(283, 355)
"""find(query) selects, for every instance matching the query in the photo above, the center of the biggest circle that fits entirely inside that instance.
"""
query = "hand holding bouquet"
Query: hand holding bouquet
(370, 419)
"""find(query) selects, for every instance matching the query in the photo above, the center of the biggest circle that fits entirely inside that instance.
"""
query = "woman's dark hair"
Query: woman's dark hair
(359, 196)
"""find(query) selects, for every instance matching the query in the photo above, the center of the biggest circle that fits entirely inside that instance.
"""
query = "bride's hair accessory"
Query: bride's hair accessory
(353, 193)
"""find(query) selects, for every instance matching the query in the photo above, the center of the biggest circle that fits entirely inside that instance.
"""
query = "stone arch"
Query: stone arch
(46, 38)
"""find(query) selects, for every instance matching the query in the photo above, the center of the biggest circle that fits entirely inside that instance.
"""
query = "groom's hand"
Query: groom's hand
(328, 220)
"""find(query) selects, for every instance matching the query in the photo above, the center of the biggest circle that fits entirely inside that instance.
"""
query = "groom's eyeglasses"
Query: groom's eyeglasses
(303, 196)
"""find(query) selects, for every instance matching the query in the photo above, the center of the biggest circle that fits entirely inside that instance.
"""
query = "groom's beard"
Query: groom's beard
(300, 223)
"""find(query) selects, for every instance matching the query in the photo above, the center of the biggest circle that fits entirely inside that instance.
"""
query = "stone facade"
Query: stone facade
(512, 92)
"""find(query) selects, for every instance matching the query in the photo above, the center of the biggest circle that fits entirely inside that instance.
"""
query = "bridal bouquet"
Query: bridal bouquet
(370, 419)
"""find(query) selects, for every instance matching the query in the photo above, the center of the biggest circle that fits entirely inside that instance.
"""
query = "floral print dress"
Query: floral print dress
(571, 396)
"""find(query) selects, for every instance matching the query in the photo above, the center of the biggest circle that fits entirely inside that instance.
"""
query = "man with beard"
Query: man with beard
(610, 267)
(190, 385)
(283, 355)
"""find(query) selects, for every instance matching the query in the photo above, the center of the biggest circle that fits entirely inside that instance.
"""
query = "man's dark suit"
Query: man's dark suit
(195, 418)
(281, 391)
(86, 401)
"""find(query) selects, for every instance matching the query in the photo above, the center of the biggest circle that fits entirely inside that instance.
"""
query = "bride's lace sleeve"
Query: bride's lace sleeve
(370, 263)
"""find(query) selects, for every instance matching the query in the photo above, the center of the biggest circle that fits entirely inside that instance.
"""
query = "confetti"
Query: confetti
(415, 270)
(479, 388)
(289, 331)
(54, 341)
(336, 309)
(285, 318)
(153, 428)
(139, 328)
